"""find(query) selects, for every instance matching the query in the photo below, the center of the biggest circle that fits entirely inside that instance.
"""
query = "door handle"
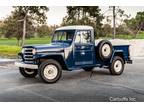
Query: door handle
(82, 53)
(82, 47)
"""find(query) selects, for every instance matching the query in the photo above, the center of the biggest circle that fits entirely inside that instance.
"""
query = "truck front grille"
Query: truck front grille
(28, 55)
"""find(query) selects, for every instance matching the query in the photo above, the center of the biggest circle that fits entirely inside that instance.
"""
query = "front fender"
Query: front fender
(59, 57)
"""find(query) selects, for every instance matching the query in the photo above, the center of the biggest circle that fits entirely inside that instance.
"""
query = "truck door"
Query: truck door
(83, 48)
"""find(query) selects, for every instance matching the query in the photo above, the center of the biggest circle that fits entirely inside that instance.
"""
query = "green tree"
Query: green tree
(36, 13)
(45, 30)
(84, 15)
(140, 20)
(23, 19)
(121, 30)
(1, 29)
(107, 30)
(136, 24)
(13, 28)
(117, 14)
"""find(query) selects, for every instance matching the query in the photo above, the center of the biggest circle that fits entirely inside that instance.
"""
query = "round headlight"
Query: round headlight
(23, 50)
(33, 51)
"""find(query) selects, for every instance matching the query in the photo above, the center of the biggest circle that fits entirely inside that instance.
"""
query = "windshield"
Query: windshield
(63, 36)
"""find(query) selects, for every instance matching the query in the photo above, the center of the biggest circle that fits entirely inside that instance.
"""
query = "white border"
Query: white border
(72, 2)
(71, 105)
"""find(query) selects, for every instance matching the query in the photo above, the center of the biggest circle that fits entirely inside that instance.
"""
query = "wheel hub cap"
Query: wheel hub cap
(106, 50)
(118, 66)
(50, 71)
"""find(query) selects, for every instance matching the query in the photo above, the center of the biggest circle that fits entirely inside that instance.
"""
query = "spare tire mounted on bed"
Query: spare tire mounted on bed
(105, 50)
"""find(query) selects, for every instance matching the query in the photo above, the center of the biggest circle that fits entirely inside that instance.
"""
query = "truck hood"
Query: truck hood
(49, 47)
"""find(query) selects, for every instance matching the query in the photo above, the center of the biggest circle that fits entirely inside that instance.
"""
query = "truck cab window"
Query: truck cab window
(63, 36)
(83, 37)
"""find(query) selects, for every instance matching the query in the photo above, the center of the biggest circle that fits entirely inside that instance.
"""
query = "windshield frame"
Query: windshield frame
(63, 41)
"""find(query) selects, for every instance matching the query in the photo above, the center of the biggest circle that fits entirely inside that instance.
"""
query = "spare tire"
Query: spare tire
(105, 50)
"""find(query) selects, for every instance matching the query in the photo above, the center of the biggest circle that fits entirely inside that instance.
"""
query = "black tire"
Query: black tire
(105, 49)
(88, 68)
(44, 74)
(28, 73)
(117, 62)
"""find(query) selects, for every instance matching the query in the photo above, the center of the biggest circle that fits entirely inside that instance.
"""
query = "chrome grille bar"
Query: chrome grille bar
(28, 55)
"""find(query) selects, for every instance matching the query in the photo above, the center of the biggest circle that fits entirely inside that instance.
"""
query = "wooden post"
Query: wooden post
(114, 23)
(24, 31)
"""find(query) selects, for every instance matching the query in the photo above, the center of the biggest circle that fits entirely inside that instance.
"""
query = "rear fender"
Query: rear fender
(119, 53)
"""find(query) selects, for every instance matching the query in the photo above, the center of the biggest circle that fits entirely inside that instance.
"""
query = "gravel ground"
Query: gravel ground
(77, 85)
(74, 86)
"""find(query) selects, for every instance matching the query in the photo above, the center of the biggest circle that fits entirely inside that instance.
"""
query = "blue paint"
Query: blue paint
(76, 55)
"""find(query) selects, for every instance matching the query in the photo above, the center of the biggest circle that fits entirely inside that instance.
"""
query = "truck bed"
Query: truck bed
(120, 46)
(115, 42)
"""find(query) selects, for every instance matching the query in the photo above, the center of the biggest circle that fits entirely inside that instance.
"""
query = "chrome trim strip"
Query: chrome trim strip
(29, 66)
(50, 50)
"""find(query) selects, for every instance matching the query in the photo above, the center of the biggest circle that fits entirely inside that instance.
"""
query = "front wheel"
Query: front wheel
(117, 66)
(50, 71)
(28, 73)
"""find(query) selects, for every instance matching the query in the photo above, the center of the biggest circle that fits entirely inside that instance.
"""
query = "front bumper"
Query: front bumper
(23, 65)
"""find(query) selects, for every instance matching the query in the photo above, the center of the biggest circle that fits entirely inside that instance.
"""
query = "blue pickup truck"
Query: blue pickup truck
(72, 47)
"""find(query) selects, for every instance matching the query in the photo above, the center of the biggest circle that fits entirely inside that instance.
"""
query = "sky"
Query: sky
(56, 13)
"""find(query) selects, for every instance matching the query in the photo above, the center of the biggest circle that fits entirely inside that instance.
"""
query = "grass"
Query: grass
(13, 41)
(9, 51)
(9, 48)
(140, 36)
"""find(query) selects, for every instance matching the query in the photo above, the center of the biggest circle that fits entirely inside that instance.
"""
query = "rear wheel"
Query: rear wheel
(50, 71)
(117, 66)
(28, 73)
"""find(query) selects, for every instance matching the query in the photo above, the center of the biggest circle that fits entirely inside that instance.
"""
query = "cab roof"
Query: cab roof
(78, 27)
